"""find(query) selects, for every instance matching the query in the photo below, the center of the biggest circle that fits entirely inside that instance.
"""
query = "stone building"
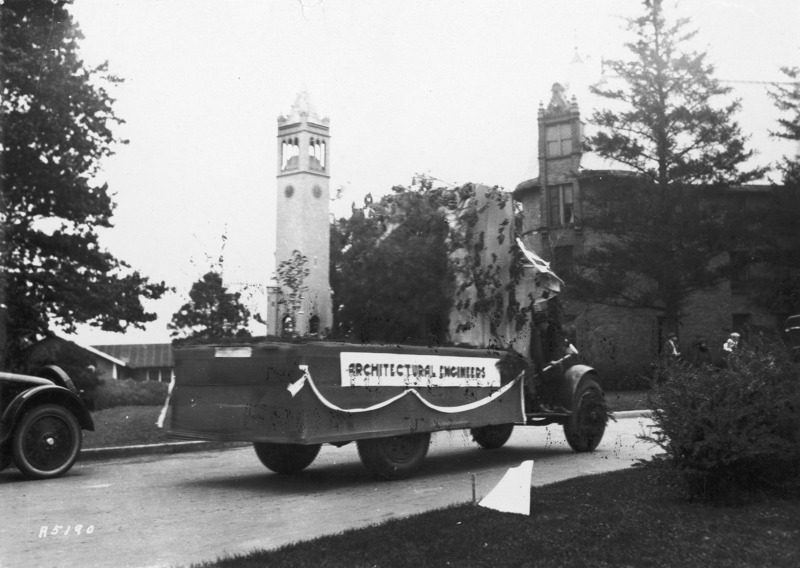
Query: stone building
(618, 341)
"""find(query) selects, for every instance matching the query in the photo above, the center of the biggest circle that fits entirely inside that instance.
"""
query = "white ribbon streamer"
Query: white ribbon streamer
(295, 387)
(163, 415)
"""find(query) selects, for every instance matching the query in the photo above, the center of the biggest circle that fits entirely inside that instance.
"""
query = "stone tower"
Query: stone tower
(303, 216)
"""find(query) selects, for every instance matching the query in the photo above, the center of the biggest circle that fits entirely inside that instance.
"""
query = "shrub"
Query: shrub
(733, 429)
(128, 392)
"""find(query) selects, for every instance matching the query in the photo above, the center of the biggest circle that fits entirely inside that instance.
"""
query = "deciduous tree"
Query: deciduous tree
(57, 120)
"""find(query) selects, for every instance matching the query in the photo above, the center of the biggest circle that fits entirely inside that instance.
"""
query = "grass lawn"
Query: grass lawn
(134, 425)
(124, 426)
(623, 518)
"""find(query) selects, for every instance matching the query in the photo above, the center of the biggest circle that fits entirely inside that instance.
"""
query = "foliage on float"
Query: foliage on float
(434, 236)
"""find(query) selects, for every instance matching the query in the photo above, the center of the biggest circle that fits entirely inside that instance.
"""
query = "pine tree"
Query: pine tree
(779, 228)
(57, 120)
(670, 124)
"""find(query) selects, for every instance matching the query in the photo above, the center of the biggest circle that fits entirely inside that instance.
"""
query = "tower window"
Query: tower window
(316, 154)
(559, 140)
(288, 191)
(290, 154)
(317, 191)
(562, 205)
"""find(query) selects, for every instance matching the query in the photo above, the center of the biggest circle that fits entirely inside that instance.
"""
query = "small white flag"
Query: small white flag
(513, 493)
(295, 387)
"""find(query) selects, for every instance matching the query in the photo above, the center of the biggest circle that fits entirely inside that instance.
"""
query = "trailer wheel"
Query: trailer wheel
(46, 442)
(492, 437)
(586, 425)
(396, 457)
(286, 458)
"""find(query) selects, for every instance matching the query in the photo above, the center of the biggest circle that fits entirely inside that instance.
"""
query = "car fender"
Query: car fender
(43, 394)
(58, 376)
(572, 380)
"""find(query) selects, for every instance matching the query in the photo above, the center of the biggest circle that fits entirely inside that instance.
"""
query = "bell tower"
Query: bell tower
(303, 216)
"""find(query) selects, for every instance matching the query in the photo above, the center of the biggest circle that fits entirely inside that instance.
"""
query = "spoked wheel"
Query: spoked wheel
(584, 429)
(396, 457)
(286, 458)
(492, 437)
(46, 442)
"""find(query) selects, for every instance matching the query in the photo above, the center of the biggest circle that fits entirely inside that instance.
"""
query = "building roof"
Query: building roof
(141, 355)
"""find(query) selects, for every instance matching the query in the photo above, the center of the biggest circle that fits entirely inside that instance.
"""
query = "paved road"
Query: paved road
(178, 509)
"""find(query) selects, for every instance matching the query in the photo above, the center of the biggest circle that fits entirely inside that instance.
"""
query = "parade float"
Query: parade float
(288, 398)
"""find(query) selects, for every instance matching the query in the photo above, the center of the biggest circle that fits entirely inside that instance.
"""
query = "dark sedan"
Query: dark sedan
(41, 423)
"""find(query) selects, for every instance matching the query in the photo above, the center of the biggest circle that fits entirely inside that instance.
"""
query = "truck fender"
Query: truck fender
(43, 394)
(572, 380)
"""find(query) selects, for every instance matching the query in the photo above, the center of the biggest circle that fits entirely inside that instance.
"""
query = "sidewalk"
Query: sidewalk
(202, 446)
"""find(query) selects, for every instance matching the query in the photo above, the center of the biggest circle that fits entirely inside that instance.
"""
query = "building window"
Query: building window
(559, 140)
(313, 325)
(288, 326)
(563, 260)
(562, 205)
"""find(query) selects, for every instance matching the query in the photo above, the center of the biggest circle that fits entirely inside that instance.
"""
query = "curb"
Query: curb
(157, 449)
(633, 414)
(202, 446)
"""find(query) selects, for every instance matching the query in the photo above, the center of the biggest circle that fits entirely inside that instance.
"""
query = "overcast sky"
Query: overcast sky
(447, 88)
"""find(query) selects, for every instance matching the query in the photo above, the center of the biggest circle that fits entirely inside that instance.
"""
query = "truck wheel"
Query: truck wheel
(396, 457)
(492, 437)
(286, 458)
(46, 442)
(586, 425)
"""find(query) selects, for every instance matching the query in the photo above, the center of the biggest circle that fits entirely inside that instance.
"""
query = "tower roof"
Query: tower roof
(303, 109)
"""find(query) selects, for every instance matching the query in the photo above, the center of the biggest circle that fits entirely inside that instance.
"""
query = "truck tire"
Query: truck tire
(286, 458)
(492, 437)
(396, 457)
(586, 425)
(47, 441)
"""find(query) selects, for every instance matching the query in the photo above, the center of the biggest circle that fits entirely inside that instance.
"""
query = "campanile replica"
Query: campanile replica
(303, 216)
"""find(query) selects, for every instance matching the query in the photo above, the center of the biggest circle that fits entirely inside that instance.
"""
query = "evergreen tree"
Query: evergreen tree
(668, 123)
(57, 118)
(211, 313)
(779, 288)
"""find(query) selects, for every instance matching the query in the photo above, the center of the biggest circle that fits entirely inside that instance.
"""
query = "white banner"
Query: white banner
(395, 370)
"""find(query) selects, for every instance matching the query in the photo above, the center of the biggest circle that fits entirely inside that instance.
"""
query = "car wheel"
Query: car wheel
(396, 457)
(286, 458)
(586, 425)
(46, 442)
(492, 437)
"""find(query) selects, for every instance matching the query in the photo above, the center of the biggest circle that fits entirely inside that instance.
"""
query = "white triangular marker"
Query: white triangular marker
(513, 493)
